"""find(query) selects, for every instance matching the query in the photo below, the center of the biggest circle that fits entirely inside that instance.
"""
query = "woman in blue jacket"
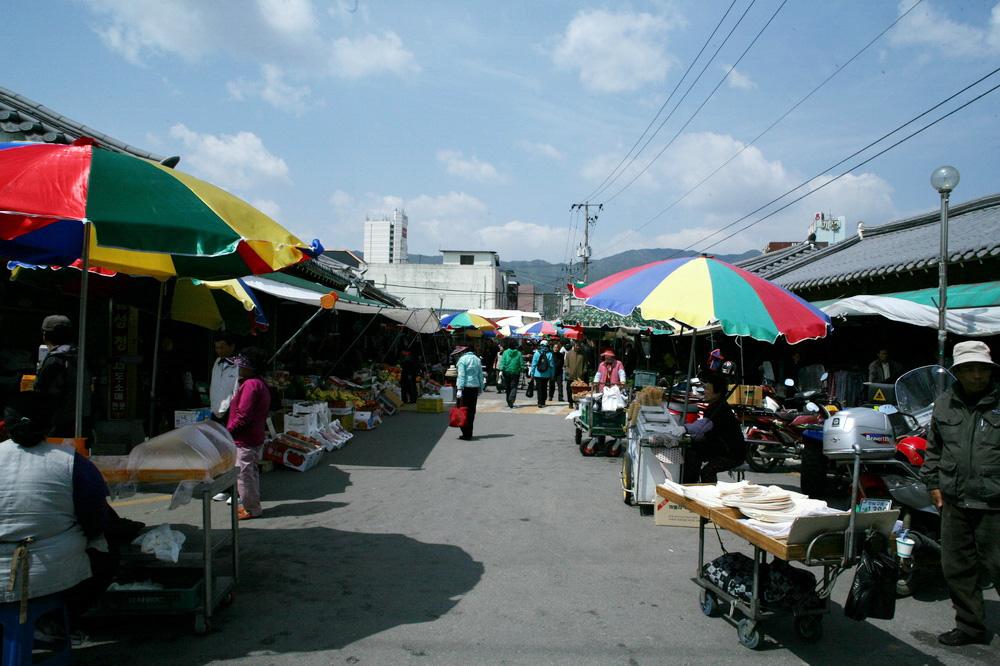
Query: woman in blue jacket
(543, 369)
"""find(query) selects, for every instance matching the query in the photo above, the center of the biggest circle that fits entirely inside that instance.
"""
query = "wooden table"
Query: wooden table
(824, 552)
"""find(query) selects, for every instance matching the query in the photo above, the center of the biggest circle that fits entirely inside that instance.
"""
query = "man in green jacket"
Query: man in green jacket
(962, 473)
(511, 365)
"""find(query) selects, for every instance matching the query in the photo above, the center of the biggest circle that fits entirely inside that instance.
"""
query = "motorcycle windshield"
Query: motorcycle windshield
(917, 389)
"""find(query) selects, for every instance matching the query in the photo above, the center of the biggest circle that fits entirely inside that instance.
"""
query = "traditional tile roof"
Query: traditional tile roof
(894, 249)
(345, 257)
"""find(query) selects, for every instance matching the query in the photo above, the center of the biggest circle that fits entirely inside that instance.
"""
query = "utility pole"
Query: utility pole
(584, 250)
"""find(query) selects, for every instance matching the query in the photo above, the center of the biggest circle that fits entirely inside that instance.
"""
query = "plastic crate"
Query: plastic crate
(642, 378)
(184, 590)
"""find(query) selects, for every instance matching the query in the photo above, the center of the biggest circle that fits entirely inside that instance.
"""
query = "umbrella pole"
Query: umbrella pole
(153, 429)
(295, 335)
(82, 337)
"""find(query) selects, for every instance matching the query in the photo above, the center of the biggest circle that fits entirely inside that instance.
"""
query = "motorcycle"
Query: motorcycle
(777, 433)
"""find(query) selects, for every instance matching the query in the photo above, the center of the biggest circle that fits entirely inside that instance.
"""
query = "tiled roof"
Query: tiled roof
(895, 248)
(22, 119)
(345, 257)
(766, 265)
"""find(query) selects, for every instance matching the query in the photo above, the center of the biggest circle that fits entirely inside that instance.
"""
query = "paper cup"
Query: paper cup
(904, 547)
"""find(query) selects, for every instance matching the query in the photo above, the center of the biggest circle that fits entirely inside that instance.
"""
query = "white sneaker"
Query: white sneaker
(229, 500)
(222, 497)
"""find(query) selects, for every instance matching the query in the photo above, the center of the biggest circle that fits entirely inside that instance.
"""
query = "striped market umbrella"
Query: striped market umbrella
(539, 329)
(699, 291)
(228, 304)
(131, 215)
(467, 320)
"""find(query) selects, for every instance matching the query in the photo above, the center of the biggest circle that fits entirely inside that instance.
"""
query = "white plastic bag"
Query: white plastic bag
(612, 399)
(162, 542)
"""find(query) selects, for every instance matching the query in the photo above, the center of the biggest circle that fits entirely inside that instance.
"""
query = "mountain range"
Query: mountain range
(547, 277)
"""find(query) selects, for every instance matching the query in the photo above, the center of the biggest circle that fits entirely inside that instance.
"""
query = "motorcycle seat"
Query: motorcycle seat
(692, 407)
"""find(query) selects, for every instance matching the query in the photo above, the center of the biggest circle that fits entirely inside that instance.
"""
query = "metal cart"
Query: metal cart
(194, 585)
(641, 469)
(593, 426)
(825, 550)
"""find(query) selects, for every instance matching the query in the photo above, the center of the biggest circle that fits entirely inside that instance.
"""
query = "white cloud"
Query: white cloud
(929, 27)
(267, 206)
(541, 149)
(273, 89)
(469, 168)
(231, 161)
(737, 79)
(371, 54)
(340, 199)
(615, 52)
(523, 240)
(135, 28)
(291, 17)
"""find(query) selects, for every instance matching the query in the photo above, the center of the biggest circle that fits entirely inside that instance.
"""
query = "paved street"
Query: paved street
(410, 546)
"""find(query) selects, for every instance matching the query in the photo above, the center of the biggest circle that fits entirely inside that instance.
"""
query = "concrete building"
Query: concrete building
(385, 239)
(465, 279)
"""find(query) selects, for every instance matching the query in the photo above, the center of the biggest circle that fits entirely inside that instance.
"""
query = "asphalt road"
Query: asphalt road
(411, 546)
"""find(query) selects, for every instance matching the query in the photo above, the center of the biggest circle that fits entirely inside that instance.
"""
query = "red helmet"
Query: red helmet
(913, 449)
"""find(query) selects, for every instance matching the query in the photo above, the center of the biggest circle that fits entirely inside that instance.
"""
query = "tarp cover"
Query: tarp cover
(968, 321)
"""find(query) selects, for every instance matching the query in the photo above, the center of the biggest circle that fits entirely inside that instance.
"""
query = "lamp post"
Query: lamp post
(944, 180)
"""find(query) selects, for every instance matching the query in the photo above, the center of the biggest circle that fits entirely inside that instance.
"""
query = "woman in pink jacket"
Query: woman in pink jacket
(248, 412)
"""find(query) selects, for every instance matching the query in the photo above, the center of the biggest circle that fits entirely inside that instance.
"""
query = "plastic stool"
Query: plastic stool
(19, 639)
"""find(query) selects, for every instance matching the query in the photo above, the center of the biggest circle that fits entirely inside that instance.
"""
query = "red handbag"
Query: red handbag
(458, 416)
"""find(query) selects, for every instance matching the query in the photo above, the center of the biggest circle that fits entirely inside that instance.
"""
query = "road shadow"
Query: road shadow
(321, 481)
(301, 508)
(492, 436)
(301, 590)
(404, 440)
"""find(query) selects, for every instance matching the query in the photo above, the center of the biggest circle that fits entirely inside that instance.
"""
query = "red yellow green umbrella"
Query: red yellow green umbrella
(143, 218)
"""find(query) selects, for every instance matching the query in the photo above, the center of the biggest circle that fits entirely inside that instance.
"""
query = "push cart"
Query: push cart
(196, 585)
(654, 452)
(593, 427)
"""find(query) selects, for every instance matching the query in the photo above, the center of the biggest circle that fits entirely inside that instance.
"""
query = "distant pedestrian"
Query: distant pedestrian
(884, 370)
(557, 377)
(542, 370)
(225, 376)
(408, 378)
(575, 369)
(56, 378)
(511, 365)
(468, 384)
(248, 412)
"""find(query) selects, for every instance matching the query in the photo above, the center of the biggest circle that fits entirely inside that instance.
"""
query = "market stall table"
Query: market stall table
(825, 549)
(199, 589)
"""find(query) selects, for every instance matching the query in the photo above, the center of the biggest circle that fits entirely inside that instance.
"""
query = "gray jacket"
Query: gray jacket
(963, 450)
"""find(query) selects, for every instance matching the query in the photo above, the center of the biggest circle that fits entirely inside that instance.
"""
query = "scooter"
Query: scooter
(775, 436)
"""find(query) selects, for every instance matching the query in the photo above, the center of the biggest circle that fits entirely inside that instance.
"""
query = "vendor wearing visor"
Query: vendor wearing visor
(610, 372)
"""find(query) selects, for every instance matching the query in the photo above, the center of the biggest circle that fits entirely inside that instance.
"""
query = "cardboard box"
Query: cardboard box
(430, 405)
(183, 417)
(752, 396)
(304, 423)
(669, 514)
(345, 415)
(292, 458)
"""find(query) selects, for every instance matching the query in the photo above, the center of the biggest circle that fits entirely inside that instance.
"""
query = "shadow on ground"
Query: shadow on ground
(300, 591)
(404, 440)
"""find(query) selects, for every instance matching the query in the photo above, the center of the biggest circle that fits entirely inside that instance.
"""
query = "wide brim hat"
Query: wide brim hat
(458, 350)
(607, 352)
(971, 351)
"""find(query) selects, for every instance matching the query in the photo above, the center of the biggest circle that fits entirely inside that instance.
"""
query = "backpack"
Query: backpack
(543, 361)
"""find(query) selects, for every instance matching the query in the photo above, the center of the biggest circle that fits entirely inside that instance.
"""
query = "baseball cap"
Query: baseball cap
(56, 322)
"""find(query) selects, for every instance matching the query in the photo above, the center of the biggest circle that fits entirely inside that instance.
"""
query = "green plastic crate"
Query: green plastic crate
(184, 590)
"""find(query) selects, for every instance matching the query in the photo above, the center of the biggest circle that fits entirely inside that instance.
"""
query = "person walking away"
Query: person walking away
(962, 473)
(248, 413)
(575, 369)
(225, 376)
(527, 354)
(53, 516)
(511, 366)
(542, 370)
(718, 440)
(489, 361)
(408, 378)
(467, 386)
(559, 362)
(56, 377)
(884, 370)
(610, 372)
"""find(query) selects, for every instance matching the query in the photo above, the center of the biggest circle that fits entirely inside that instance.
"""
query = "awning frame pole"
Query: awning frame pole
(81, 345)
(296, 334)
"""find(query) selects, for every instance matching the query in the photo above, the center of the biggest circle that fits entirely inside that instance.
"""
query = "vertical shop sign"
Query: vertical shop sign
(122, 373)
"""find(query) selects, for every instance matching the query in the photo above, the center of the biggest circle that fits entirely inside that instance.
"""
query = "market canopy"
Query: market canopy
(589, 317)
(973, 309)
(291, 288)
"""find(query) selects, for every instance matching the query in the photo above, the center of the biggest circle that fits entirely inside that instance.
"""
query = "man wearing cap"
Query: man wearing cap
(610, 371)
(543, 369)
(56, 378)
(962, 473)
(467, 386)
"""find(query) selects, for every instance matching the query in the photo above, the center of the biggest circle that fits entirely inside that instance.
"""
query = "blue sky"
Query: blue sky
(486, 120)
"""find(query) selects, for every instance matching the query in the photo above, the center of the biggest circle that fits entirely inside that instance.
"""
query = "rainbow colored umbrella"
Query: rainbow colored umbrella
(539, 328)
(699, 291)
(218, 304)
(143, 218)
(467, 320)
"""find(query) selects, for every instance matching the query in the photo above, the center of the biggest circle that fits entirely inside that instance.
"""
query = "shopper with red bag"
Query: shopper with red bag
(467, 386)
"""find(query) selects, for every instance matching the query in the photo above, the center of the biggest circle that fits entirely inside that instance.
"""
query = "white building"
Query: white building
(385, 239)
(466, 279)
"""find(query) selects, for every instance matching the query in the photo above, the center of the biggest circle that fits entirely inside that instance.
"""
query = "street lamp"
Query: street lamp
(944, 180)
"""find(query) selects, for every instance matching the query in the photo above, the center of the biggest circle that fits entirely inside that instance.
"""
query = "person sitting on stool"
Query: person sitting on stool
(718, 441)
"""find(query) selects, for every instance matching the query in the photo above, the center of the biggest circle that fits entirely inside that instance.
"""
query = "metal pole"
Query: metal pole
(296, 334)
(81, 345)
(943, 287)
(153, 429)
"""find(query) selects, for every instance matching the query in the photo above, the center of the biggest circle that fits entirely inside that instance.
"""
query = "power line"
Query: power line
(860, 164)
(700, 106)
(769, 127)
(663, 106)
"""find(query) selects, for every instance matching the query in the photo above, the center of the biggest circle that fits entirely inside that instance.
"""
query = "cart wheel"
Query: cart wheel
(645, 509)
(614, 450)
(578, 436)
(202, 625)
(709, 604)
(228, 600)
(748, 633)
(809, 627)
(586, 450)
(627, 481)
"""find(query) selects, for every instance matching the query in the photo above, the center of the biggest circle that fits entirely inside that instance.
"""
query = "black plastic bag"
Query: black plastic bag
(873, 592)
(530, 391)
